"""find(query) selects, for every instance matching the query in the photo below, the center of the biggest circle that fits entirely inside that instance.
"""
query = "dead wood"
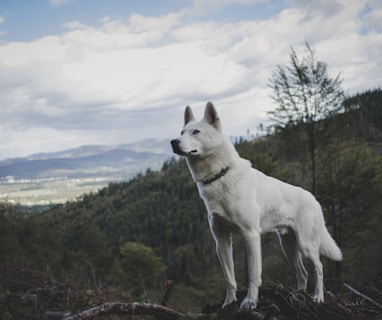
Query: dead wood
(363, 296)
(361, 301)
(276, 303)
(279, 302)
(134, 308)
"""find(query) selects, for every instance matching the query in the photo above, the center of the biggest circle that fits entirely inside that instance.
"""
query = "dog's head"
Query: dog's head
(199, 138)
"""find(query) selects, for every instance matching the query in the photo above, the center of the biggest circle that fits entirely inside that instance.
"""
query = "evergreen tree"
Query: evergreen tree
(305, 95)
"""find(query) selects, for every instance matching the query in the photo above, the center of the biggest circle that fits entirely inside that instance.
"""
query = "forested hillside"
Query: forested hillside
(124, 241)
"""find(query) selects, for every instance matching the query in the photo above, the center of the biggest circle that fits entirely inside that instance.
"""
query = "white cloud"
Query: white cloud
(226, 2)
(127, 80)
(45, 50)
(58, 3)
(373, 19)
(138, 31)
(2, 20)
(200, 7)
(325, 8)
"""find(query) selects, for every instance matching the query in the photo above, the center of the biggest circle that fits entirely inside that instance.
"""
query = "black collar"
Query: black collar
(222, 172)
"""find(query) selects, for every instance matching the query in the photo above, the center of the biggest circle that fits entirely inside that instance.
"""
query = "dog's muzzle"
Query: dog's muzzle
(176, 149)
(175, 146)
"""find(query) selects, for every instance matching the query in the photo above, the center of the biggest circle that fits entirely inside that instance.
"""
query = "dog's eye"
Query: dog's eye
(196, 131)
(182, 132)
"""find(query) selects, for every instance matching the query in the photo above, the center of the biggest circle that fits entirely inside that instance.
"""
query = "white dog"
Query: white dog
(240, 198)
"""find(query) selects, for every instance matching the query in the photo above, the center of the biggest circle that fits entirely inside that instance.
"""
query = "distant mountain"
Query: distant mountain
(81, 169)
(154, 146)
(119, 161)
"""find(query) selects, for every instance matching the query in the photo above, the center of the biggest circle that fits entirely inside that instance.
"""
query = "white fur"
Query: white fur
(248, 201)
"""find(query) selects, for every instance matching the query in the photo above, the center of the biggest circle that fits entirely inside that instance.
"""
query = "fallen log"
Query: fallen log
(134, 308)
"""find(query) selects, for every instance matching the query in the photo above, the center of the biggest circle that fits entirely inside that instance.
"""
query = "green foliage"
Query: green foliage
(350, 194)
(141, 267)
(24, 241)
(10, 246)
(367, 108)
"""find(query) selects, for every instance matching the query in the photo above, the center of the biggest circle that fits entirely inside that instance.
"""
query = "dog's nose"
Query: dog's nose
(175, 142)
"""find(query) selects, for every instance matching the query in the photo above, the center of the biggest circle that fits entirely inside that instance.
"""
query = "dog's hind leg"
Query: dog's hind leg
(309, 241)
(293, 254)
(314, 256)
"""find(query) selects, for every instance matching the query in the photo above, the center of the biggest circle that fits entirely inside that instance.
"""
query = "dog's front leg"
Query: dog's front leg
(224, 252)
(253, 242)
(222, 236)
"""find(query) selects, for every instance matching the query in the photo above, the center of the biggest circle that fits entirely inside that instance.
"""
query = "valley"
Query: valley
(53, 178)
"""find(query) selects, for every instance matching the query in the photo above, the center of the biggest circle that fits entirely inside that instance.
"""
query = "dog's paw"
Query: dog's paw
(248, 304)
(229, 300)
(318, 298)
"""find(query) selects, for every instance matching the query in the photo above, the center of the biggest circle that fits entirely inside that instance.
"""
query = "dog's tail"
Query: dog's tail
(328, 247)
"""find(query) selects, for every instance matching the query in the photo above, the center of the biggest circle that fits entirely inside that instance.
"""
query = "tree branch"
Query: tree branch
(363, 296)
(134, 308)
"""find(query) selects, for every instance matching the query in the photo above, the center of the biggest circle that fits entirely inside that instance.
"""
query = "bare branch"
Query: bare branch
(134, 308)
(142, 288)
(363, 296)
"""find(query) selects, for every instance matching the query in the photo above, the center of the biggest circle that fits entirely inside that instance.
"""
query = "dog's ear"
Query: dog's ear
(188, 115)
(211, 115)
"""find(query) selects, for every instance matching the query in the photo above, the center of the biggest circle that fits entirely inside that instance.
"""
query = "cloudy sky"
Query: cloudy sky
(76, 72)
